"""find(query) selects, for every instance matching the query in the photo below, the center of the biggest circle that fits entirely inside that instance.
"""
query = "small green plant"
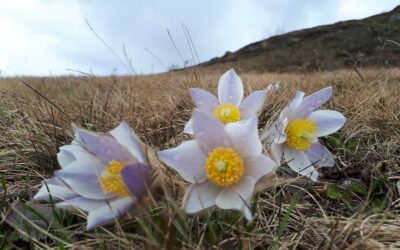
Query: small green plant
(283, 223)
(339, 142)
(346, 192)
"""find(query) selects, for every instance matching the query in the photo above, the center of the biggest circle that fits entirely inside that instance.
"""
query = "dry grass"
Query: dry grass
(291, 212)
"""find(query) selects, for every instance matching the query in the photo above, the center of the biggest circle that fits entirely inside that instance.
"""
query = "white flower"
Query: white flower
(222, 164)
(228, 107)
(295, 134)
(102, 175)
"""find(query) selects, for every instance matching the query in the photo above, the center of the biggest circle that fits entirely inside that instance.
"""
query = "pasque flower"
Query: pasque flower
(295, 134)
(222, 164)
(228, 107)
(104, 175)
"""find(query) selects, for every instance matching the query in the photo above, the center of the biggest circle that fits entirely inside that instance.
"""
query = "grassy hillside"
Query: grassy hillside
(367, 42)
(355, 205)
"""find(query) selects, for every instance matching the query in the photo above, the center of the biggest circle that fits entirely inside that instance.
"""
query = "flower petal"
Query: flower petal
(230, 88)
(328, 121)
(82, 203)
(280, 126)
(64, 158)
(320, 156)
(76, 149)
(247, 212)
(72, 152)
(276, 131)
(189, 127)
(188, 159)
(252, 104)
(200, 196)
(299, 163)
(135, 177)
(313, 102)
(243, 137)
(208, 131)
(127, 138)
(58, 191)
(83, 177)
(204, 100)
(268, 134)
(114, 209)
(277, 152)
(293, 105)
(104, 147)
(237, 197)
(258, 167)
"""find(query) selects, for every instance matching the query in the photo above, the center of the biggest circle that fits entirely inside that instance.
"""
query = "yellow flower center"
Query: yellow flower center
(227, 113)
(301, 134)
(224, 167)
(111, 180)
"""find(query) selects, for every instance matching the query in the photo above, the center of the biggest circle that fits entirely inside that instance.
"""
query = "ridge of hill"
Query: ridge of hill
(369, 42)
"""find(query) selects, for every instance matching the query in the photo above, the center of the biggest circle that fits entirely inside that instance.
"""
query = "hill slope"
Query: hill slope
(367, 42)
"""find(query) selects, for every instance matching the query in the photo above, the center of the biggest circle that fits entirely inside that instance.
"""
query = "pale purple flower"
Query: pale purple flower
(228, 107)
(104, 175)
(222, 164)
(295, 134)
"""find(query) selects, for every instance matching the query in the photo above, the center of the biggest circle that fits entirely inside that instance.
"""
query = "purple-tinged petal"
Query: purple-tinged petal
(82, 203)
(238, 196)
(313, 102)
(58, 191)
(328, 121)
(83, 177)
(104, 147)
(135, 177)
(204, 100)
(243, 138)
(189, 127)
(208, 131)
(200, 196)
(230, 88)
(299, 163)
(113, 210)
(188, 159)
(259, 167)
(320, 155)
(127, 138)
(252, 104)
(294, 104)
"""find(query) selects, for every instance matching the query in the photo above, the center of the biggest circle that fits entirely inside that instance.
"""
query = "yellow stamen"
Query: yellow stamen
(301, 134)
(227, 113)
(111, 180)
(224, 167)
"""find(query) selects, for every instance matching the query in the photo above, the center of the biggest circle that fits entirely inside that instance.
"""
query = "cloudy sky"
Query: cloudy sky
(48, 37)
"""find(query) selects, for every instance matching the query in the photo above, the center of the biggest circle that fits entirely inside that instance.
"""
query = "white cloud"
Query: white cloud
(39, 37)
(357, 9)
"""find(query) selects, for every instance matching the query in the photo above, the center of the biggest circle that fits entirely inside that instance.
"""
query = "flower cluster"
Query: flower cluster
(295, 134)
(102, 175)
(106, 175)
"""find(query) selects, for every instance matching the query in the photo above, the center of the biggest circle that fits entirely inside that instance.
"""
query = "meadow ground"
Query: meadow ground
(355, 205)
